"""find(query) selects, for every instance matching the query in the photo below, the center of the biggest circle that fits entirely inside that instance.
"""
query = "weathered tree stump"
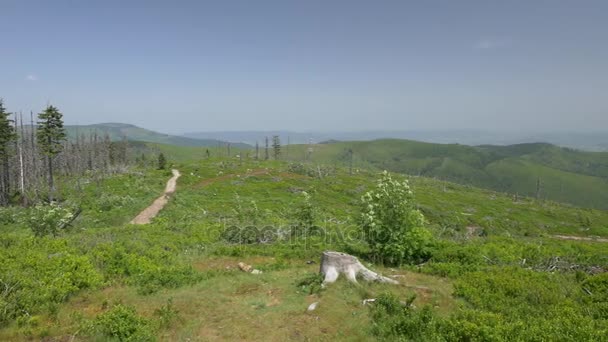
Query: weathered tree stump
(334, 263)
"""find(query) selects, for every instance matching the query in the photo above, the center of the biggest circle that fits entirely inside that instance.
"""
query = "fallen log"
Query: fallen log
(335, 263)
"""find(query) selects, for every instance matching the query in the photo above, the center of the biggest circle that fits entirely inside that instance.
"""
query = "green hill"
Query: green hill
(498, 270)
(565, 175)
(117, 131)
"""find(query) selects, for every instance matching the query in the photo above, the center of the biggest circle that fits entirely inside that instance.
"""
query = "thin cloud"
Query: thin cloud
(488, 43)
(31, 77)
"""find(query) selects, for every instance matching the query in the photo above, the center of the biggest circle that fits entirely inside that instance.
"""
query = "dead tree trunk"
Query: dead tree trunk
(334, 263)
(20, 145)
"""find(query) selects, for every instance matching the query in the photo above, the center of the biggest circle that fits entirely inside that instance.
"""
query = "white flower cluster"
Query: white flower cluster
(393, 227)
(391, 200)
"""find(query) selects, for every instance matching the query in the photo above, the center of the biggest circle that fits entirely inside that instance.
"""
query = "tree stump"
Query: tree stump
(334, 263)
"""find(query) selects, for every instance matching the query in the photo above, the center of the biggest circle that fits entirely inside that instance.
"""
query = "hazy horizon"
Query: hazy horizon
(347, 66)
(186, 131)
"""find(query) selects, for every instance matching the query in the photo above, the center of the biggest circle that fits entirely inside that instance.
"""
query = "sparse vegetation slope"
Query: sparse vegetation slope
(496, 272)
(543, 170)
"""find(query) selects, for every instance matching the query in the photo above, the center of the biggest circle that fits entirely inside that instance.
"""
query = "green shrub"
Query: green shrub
(249, 234)
(311, 170)
(479, 325)
(36, 274)
(311, 283)
(167, 314)
(150, 269)
(108, 202)
(9, 215)
(515, 291)
(122, 323)
(596, 295)
(304, 215)
(395, 320)
(393, 227)
(49, 219)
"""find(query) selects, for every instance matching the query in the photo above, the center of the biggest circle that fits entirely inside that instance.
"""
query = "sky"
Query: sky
(328, 65)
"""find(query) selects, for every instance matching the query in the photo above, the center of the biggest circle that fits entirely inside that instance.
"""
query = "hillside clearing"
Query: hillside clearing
(537, 170)
(179, 273)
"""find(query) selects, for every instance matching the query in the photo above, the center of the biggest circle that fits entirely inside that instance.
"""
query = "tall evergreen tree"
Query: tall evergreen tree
(50, 135)
(266, 150)
(7, 136)
(162, 161)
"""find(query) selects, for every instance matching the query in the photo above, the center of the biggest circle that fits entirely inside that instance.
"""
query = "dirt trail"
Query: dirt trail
(580, 238)
(150, 212)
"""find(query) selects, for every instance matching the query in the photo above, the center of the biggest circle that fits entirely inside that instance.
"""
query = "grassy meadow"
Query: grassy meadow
(497, 271)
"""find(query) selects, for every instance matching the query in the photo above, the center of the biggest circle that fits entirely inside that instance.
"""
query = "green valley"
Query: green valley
(536, 170)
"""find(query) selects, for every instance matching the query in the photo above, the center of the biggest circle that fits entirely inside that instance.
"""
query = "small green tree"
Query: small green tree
(50, 136)
(162, 161)
(7, 135)
(393, 227)
(304, 215)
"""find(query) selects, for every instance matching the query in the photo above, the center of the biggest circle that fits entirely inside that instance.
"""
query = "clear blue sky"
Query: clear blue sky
(178, 66)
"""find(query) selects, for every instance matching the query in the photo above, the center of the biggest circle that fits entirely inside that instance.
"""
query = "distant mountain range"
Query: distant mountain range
(551, 172)
(594, 141)
(505, 162)
(117, 131)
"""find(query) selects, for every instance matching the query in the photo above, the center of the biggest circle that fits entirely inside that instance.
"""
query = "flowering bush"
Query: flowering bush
(49, 219)
(393, 227)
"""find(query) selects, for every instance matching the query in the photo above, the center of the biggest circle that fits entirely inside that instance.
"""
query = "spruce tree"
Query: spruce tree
(50, 135)
(162, 161)
(7, 136)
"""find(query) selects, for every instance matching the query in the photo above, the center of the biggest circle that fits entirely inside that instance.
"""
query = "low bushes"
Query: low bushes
(150, 271)
(38, 274)
(394, 320)
(121, 323)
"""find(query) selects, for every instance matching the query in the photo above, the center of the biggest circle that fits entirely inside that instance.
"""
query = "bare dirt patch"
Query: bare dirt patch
(150, 212)
(579, 238)
(229, 263)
